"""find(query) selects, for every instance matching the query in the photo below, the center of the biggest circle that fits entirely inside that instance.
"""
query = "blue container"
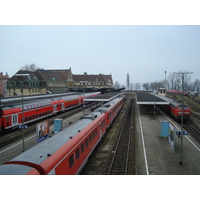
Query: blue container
(58, 125)
(164, 129)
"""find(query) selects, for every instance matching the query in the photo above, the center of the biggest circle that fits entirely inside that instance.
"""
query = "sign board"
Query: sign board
(183, 133)
(23, 126)
(42, 130)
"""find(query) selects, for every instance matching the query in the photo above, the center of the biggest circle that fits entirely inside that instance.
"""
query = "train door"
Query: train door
(14, 120)
(100, 128)
(63, 106)
(54, 108)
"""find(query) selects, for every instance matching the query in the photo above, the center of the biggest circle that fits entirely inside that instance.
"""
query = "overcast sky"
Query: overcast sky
(145, 52)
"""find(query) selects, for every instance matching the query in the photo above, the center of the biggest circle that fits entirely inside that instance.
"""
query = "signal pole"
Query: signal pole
(181, 135)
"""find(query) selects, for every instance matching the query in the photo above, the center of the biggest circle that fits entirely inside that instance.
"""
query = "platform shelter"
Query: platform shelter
(146, 98)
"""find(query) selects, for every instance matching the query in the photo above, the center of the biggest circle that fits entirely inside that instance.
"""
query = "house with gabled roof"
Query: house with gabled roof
(92, 81)
(54, 81)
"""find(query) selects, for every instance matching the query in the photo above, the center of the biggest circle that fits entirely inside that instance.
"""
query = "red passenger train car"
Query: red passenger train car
(66, 152)
(176, 92)
(11, 116)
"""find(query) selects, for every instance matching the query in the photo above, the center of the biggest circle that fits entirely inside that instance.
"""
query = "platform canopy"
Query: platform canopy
(104, 97)
(146, 98)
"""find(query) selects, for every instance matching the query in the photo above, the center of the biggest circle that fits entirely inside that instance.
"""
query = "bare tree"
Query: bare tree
(131, 86)
(31, 67)
(117, 85)
(171, 81)
(146, 86)
(137, 86)
(196, 85)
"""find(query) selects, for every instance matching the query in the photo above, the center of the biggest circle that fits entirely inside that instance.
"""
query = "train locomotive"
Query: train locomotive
(11, 116)
(175, 109)
(66, 152)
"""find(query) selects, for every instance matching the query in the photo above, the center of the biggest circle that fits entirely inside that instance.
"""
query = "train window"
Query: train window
(82, 148)
(71, 160)
(77, 153)
(95, 131)
(7, 119)
(185, 108)
(86, 142)
(92, 135)
(90, 138)
(36, 116)
(29, 107)
(26, 119)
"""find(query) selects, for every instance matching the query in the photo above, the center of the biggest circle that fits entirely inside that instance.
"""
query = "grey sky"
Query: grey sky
(144, 52)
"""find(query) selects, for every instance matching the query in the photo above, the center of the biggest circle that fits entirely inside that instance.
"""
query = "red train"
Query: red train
(176, 92)
(11, 116)
(175, 109)
(66, 152)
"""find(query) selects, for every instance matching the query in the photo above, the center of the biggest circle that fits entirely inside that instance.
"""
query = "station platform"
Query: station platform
(104, 97)
(146, 98)
(155, 156)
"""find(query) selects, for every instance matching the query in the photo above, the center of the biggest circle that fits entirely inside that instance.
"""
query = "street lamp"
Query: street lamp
(181, 135)
(22, 75)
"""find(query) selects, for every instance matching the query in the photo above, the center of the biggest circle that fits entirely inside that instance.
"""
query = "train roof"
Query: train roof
(40, 152)
(171, 101)
(37, 100)
(107, 105)
(41, 102)
(104, 97)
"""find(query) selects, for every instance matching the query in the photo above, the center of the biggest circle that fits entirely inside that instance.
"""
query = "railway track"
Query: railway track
(120, 163)
(193, 129)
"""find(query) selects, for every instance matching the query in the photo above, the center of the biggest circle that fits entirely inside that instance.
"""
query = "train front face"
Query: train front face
(186, 113)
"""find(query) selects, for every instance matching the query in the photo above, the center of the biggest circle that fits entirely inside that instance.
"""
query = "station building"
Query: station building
(53, 81)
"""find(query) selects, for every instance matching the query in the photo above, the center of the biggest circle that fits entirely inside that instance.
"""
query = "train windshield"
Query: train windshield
(184, 108)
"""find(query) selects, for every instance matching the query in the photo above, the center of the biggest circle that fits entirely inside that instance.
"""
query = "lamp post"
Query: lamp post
(22, 75)
(181, 135)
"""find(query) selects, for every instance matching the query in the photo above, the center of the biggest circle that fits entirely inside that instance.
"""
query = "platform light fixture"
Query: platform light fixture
(181, 135)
